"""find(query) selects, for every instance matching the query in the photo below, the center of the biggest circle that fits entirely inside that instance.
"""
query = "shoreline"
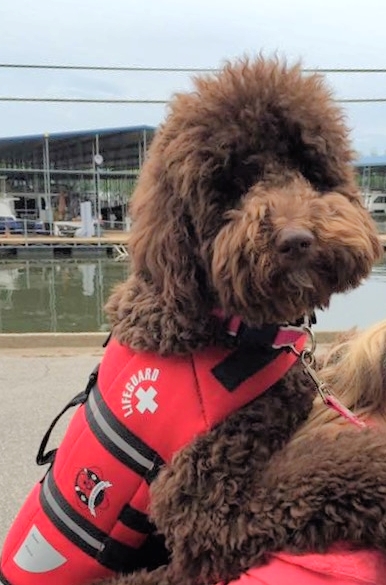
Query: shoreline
(90, 343)
(52, 344)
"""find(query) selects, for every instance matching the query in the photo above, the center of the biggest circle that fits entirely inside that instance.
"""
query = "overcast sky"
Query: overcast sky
(179, 33)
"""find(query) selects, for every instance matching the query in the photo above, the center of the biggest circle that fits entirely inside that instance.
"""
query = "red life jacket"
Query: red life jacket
(91, 507)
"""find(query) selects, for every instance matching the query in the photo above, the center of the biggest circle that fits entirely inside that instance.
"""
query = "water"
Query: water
(358, 308)
(56, 295)
(68, 296)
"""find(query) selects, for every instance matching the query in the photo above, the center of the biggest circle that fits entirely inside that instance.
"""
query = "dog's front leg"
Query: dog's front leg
(201, 501)
(205, 519)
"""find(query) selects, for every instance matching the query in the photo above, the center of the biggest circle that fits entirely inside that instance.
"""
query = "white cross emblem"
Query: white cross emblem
(146, 400)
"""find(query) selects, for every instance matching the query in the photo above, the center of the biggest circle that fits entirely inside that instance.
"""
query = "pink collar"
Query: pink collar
(286, 336)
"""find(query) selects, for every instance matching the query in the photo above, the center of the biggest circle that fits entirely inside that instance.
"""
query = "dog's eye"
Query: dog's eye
(232, 189)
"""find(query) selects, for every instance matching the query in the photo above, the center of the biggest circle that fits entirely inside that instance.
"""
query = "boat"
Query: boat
(8, 221)
(375, 202)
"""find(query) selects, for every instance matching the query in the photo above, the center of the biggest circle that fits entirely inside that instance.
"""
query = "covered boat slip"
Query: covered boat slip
(49, 175)
(372, 180)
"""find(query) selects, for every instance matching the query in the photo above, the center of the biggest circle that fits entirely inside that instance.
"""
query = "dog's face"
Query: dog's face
(257, 177)
(287, 248)
(247, 202)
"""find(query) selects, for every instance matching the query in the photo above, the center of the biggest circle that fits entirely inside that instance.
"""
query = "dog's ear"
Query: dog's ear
(165, 305)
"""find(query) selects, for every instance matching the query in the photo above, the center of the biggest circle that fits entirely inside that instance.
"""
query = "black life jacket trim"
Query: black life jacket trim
(107, 551)
(119, 441)
(135, 520)
(70, 523)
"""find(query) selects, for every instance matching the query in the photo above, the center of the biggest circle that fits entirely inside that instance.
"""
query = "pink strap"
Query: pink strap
(233, 324)
(287, 335)
(332, 402)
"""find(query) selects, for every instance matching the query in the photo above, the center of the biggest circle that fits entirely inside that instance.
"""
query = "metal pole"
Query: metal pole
(139, 154)
(144, 144)
(47, 182)
(100, 297)
(99, 207)
(52, 296)
(98, 160)
(94, 170)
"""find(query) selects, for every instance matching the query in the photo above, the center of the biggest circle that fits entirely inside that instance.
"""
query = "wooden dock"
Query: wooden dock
(108, 244)
(111, 243)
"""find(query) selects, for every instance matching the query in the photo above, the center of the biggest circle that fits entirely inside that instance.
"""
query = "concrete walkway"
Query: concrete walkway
(34, 386)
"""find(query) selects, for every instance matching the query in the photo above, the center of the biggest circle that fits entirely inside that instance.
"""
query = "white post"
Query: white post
(98, 161)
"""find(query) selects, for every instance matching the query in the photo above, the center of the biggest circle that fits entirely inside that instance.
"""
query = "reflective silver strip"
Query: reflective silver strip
(115, 438)
(63, 517)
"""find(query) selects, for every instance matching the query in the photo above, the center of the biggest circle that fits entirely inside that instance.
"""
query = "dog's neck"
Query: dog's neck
(280, 336)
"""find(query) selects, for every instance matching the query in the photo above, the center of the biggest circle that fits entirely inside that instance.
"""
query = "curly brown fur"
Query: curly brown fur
(160, 576)
(253, 150)
(311, 496)
(337, 488)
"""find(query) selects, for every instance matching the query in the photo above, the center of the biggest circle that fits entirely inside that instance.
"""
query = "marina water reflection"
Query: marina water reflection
(69, 295)
(56, 295)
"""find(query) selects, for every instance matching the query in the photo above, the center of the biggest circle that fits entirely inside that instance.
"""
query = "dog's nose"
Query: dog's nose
(292, 242)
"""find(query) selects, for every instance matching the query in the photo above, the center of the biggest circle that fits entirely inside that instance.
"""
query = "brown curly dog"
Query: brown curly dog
(247, 203)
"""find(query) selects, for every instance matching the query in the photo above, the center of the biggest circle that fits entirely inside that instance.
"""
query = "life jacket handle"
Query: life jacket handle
(44, 458)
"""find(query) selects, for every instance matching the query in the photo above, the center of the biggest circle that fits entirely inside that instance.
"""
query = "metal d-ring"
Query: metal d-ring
(307, 357)
(311, 335)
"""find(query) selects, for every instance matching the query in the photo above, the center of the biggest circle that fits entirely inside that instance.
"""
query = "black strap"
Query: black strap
(43, 458)
(253, 352)
(135, 520)
(257, 337)
(241, 364)
(151, 555)
(104, 344)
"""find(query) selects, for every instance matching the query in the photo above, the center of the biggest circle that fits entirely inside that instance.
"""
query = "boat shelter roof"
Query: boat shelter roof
(371, 161)
(121, 148)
